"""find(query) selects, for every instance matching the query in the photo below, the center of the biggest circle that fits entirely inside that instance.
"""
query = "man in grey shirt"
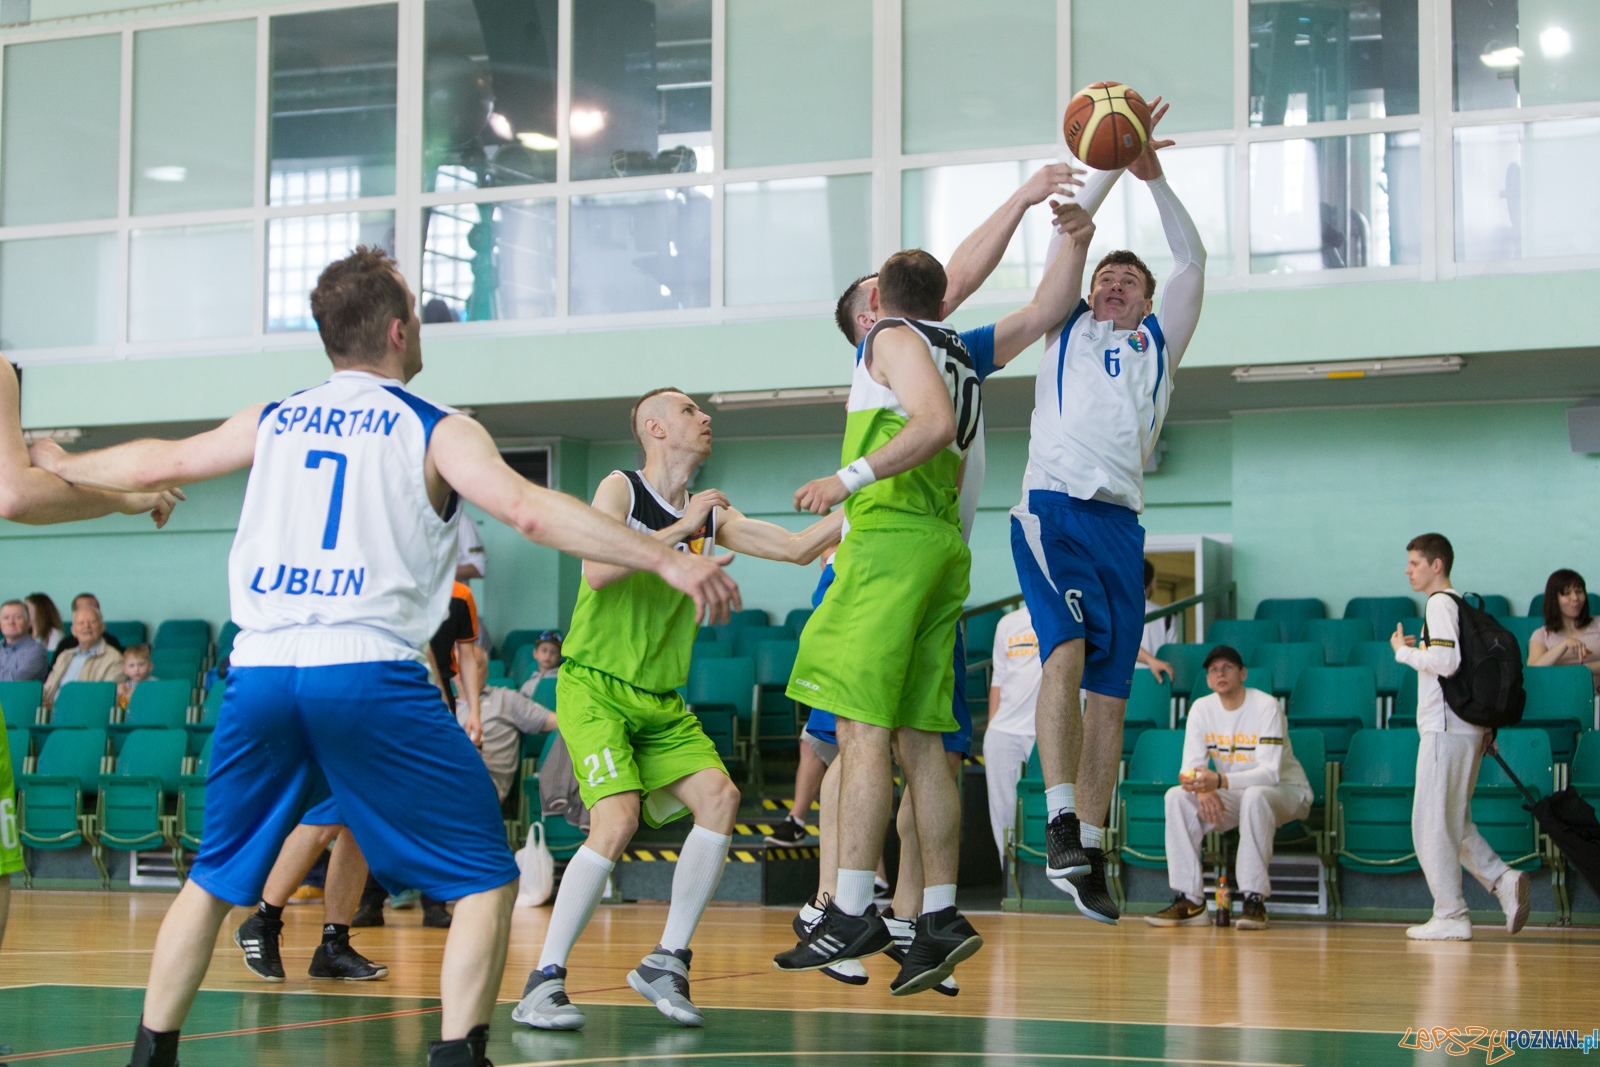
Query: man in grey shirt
(22, 657)
(506, 716)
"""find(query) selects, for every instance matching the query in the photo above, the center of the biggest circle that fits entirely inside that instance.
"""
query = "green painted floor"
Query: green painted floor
(72, 1026)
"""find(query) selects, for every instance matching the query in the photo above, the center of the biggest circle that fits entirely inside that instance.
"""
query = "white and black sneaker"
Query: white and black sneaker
(544, 1004)
(337, 961)
(1065, 855)
(1089, 891)
(904, 932)
(850, 972)
(943, 939)
(259, 938)
(662, 978)
(788, 833)
(834, 938)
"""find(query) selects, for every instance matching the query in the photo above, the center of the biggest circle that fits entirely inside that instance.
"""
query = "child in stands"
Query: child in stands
(135, 668)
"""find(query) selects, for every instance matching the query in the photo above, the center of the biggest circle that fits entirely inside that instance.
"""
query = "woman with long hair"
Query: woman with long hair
(47, 628)
(1569, 633)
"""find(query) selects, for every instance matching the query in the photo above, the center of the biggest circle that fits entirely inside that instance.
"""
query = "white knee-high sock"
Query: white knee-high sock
(581, 886)
(699, 871)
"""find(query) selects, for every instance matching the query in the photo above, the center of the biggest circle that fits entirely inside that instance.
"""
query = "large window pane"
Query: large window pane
(1202, 178)
(194, 117)
(1335, 202)
(1185, 51)
(939, 206)
(58, 291)
(641, 87)
(190, 282)
(1523, 53)
(59, 144)
(1519, 190)
(299, 247)
(978, 76)
(641, 251)
(490, 105)
(797, 239)
(799, 81)
(333, 105)
(489, 261)
(1321, 60)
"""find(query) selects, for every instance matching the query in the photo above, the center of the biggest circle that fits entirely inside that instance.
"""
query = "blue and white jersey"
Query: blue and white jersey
(1099, 402)
(340, 556)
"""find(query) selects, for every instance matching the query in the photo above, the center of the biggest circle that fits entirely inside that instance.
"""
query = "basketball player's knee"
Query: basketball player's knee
(721, 806)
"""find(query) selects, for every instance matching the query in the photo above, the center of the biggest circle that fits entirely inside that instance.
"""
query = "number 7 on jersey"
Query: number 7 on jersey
(330, 530)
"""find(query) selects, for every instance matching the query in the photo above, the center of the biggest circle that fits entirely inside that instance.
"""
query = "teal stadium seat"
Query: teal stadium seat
(1499, 808)
(1536, 606)
(1028, 830)
(535, 746)
(80, 705)
(50, 800)
(192, 807)
(200, 731)
(127, 632)
(1404, 716)
(1336, 700)
(1522, 626)
(719, 694)
(523, 666)
(183, 633)
(1312, 755)
(513, 641)
(1245, 635)
(1494, 605)
(1379, 777)
(1282, 663)
(773, 721)
(1292, 615)
(498, 675)
(711, 650)
(980, 631)
(796, 621)
(1149, 708)
(1185, 661)
(560, 837)
(1142, 816)
(1338, 636)
(744, 644)
(705, 635)
(132, 814)
(177, 664)
(1388, 672)
(1381, 611)
(1411, 627)
(17, 746)
(225, 639)
(1561, 703)
(20, 702)
(1584, 773)
(155, 704)
(729, 631)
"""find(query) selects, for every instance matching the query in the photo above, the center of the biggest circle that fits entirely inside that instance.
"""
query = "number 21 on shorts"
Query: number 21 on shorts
(591, 764)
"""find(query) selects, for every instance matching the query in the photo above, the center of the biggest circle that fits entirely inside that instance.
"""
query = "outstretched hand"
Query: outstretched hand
(1071, 219)
(1147, 167)
(1049, 181)
(716, 596)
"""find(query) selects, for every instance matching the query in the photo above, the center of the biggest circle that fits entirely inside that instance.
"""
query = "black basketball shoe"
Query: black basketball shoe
(338, 961)
(1089, 891)
(787, 833)
(943, 939)
(1064, 847)
(835, 937)
(259, 937)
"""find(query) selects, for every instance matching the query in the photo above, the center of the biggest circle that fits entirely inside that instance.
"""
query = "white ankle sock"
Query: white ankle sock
(1092, 836)
(1059, 798)
(699, 870)
(853, 894)
(938, 897)
(581, 886)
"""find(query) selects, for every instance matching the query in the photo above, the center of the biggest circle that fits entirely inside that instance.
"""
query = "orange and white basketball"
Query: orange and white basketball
(1107, 125)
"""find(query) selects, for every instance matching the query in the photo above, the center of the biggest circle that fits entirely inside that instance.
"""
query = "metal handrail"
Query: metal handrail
(1225, 589)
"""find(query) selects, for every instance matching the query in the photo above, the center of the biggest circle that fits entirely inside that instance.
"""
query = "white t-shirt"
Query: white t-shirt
(1440, 657)
(1250, 745)
(1156, 633)
(1017, 673)
(469, 547)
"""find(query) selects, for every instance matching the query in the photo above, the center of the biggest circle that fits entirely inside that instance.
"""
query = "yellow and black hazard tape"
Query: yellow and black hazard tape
(750, 829)
(785, 804)
(738, 855)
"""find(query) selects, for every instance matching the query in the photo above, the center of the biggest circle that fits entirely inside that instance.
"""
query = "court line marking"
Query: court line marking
(796, 1053)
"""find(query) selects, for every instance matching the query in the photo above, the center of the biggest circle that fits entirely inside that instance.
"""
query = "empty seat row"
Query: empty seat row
(1383, 612)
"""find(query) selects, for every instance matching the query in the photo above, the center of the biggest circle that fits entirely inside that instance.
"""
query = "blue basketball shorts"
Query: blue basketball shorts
(1081, 566)
(367, 745)
(823, 725)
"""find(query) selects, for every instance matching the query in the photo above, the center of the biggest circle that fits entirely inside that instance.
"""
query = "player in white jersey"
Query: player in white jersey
(1101, 395)
(338, 575)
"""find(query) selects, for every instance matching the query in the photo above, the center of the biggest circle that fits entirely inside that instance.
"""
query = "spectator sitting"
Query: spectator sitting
(1569, 635)
(22, 657)
(547, 655)
(135, 669)
(505, 716)
(47, 628)
(1258, 786)
(71, 640)
(1013, 693)
(1156, 633)
(91, 658)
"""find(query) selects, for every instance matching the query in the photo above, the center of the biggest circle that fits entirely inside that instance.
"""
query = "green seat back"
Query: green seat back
(1152, 770)
(73, 754)
(1536, 606)
(1311, 752)
(158, 703)
(497, 671)
(775, 662)
(1336, 700)
(544, 693)
(719, 723)
(711, 650)
(752, 617)
(1158, 757)
(980, 633)
(1404, 716)
(1149, 708)
(1031, 813)
(52, 797)
(19, 701)
(523, 666)
(17, 749)
(779, 730)
(705, 635)
(132, 798)
(1561, 703)
(180, 664)
(1585, 769)
(212, 705)
(153, 754)
(225, 639)
(1185, 661)
(1034, 768)
(1381, 611)
(723, 683)
(517, 639)
(1375, 797)
(183, 633)
(1388, 672)
(1411, 626)
(1245, 635)
(1283, 662)
(1338, 637)
(796, 621)
(750, 637)
(1498, 807)
(1522, 627)
(1292, 615)
(1493, 605)
(127, 632)
(1382, 757)
(86, 704)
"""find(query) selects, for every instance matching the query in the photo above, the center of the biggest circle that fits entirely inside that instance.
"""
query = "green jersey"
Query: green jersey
(933, 489)
(639, 629)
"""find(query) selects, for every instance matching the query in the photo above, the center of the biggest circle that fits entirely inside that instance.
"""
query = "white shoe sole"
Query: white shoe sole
(1437, 937)
(1071, 890)
(573, 1021)
(663, 1004)
(1517, 915)
(1202, 919)
(264, 977)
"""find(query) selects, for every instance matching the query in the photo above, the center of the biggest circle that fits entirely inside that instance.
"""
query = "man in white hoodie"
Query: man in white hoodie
(1257, 786)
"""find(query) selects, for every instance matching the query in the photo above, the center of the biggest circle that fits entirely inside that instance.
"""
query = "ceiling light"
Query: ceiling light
(586, 122)
(1502, 58)
(1555, 42)
(65, 436)
(781, 398)
(1360, 368)
(538, 142)
(167, 174)
(500, 126)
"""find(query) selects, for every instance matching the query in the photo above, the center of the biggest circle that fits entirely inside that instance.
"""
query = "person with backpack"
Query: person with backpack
(1458, 658)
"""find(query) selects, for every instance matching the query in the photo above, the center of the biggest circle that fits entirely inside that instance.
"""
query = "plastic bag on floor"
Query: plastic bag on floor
(538, 869)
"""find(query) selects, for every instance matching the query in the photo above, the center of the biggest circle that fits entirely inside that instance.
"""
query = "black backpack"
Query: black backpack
(1486, 690)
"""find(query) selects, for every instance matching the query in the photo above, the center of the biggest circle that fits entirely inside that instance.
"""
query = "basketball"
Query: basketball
(1106, 125)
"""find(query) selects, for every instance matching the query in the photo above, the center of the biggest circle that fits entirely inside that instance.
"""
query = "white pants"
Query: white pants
(1004, 755)
(1257, 811)
(1441, 820)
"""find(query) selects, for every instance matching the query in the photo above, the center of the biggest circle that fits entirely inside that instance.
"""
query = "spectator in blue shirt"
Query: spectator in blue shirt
(22, 657)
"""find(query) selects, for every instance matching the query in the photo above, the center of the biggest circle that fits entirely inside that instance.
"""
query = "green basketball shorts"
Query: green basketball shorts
(10, 837)
(623, 739)
(879, 648)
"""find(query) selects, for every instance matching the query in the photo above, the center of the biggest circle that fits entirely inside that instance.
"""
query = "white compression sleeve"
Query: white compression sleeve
(699, 870)
(1096, 187)
(581, 885)
(1180, 302)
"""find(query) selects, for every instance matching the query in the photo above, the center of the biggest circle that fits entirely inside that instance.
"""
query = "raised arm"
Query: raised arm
(1185, 289)
(465, 456)
(768, 540)
(976, 257)
(612, 499)
(151, 464)
(1058, 293)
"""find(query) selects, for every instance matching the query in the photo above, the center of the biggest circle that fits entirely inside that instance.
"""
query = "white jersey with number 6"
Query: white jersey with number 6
(340, 556)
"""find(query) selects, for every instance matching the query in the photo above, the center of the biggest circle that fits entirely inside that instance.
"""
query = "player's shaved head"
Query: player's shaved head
(852, 302)
(652, 405)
